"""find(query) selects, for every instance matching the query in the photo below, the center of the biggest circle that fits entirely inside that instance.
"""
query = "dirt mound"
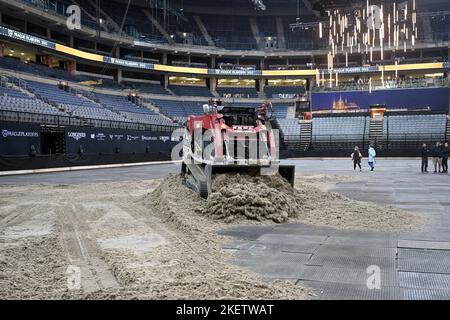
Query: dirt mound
(239, 198)
(236, 197)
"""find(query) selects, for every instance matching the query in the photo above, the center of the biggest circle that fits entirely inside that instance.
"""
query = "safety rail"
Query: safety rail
(387, 142)
(390, 84)
(59, 120)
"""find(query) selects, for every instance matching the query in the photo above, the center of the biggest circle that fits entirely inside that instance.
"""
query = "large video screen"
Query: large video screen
(435, 99)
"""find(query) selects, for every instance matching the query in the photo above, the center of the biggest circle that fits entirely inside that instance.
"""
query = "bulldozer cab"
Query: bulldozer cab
(239, 116)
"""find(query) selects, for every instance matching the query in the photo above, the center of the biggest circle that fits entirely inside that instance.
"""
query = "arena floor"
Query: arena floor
(413, 265)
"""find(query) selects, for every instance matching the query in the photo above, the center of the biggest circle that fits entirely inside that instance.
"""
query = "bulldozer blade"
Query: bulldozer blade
(285, 171)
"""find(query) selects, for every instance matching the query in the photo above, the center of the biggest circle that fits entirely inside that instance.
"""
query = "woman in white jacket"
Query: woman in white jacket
(372, 155)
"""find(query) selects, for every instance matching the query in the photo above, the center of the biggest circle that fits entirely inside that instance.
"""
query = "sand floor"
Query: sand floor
(155, 239)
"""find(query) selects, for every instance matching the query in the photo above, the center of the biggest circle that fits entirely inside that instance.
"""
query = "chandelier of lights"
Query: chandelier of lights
(370, 28)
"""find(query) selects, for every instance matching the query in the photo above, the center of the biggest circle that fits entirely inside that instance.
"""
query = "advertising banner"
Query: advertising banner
(17, 139)
(435, 99)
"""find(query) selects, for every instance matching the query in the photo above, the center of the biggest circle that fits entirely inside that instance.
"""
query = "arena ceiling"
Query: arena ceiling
(275, 7)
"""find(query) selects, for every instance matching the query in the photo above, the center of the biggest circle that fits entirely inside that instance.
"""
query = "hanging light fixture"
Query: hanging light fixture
(376, 27)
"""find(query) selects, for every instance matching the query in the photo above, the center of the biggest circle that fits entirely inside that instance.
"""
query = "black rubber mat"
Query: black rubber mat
(246, 232)
(346, 275)
(246, 245)
(279, 265)
(387, 242)
(352, 262)
(333, 291)
(424, 280)
(302, 229)
(427, 261)
(430, 245)
(352, 251)
(275, 238)
(426, 294)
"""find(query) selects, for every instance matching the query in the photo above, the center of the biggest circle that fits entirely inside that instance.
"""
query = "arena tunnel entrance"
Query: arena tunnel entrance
(53, 140)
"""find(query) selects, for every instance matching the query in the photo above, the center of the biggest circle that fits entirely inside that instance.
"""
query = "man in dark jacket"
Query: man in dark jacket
(445, 152)
(436, 154)
(425, 152)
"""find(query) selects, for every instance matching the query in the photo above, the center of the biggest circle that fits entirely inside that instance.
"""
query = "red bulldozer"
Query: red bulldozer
(228, 139)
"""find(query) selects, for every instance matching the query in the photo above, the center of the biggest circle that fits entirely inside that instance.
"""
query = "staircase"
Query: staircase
(22, 86)
(376, 130)
(149, 105)
(447, 131)
(17, 84)
(305, 134)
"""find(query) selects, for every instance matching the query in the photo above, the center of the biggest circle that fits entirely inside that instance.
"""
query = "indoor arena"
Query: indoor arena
(257, 150)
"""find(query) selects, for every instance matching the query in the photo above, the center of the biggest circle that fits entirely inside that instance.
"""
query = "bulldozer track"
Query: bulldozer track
(82, 251)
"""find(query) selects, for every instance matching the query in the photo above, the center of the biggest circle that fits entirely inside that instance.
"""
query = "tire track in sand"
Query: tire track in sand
(82, 249)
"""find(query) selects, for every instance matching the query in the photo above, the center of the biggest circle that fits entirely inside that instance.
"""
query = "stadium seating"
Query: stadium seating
(129, 110)
(237, 92)
(338, 128)
(194, 91)
(415, 127)
(179, 110)
(147, 87)
(14, 100)
(283, 91)
(290, 129)
(40, 70)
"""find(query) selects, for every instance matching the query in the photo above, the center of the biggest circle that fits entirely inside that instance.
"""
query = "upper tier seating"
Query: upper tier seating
(193, 91)
(237, 92)
(282, 91)
(40, 70)
(147, 87)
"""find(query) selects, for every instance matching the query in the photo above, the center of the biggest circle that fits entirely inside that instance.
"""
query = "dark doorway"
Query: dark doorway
(52, 140)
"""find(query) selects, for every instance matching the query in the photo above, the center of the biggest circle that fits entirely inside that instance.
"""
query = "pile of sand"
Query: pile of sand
(236, 197)
(239, 198)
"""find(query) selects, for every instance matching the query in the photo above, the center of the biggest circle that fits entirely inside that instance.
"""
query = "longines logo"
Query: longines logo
(132, 138)
(76, 135)
(164, 138)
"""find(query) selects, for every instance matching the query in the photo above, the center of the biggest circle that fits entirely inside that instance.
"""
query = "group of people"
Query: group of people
(439, 156)
(357, 158)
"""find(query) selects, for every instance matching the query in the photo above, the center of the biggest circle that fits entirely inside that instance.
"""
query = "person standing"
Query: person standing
(372, 155)
(437, 157)
(445, 152)
(424, 153)
(356, 157)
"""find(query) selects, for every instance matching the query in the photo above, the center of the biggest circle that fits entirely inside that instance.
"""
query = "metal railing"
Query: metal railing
(348, 142)
(59, 120)
(389, 84)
